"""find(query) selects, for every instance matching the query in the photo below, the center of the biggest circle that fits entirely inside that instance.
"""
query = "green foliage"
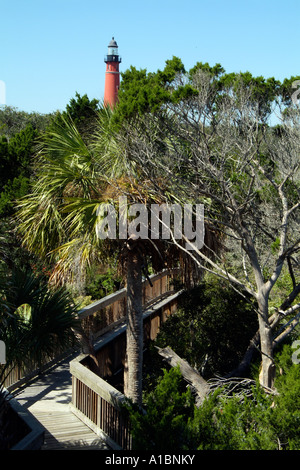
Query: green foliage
(63, 172)
(35, 324)
(233, 423)
(141, 92)
(239, 421)
(282, 288)
(163, 426)
(12, 254)
(263, 91)
(286, 418)
(172, 68)
(13, 190)
(35, 320)
(15, 167)
(13, 121)
(212, 327)
(287, 89)
(15, 154)
(153, 367)
(215, 71)
(101, 284)
(82, 111)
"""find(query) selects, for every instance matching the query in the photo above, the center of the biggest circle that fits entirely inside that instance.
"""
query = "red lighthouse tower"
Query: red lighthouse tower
(112, 75)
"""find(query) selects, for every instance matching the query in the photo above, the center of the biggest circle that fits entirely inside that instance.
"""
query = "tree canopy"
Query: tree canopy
(216, 146)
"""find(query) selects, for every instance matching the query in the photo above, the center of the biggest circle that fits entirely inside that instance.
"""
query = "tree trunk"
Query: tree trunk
(267, 373)
(193, 377)
(243, 368)
(134, 332)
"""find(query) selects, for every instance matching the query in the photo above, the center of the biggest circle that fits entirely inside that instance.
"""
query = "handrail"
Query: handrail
(104, 314)
(96, 383)
(96, 402)
(99, 405)
(116, 296)
(98, 318)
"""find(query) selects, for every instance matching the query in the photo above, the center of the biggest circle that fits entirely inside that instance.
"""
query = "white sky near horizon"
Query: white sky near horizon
(52, 49)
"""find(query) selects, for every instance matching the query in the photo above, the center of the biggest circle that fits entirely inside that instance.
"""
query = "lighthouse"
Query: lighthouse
(112, 75)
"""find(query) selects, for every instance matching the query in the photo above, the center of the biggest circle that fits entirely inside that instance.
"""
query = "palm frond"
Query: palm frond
(62, 141)
(111, 158)
(40, 222)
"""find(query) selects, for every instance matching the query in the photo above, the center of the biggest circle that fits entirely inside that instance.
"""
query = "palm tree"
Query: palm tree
(36, 325)
(59, 219)
(36, 321)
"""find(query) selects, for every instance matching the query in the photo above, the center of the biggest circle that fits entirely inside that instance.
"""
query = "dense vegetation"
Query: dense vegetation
(237, 414)
(248, 420)
(213, 334)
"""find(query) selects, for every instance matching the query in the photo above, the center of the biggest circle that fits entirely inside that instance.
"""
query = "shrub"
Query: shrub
(164, 425)
(236, 421)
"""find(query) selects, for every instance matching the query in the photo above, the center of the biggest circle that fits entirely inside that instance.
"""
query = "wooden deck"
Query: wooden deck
(48, 398)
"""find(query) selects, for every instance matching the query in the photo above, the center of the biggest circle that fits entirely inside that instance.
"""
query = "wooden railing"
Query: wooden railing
(98, 318)
(106, 313)
(94, 398)
(99, 405)
(19, 375)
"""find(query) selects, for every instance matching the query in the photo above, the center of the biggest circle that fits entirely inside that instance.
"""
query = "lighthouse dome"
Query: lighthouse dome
(113, 43)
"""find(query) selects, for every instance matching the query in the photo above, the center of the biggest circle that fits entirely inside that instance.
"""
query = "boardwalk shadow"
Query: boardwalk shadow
(82, 445)
(52, 387)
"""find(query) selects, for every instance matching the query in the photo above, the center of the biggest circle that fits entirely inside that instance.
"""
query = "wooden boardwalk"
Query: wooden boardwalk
(48, 398)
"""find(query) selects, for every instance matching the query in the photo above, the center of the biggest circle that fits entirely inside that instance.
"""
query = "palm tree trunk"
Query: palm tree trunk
(134, 334)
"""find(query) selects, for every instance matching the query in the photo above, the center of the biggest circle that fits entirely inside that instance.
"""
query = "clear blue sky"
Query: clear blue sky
(51, 49)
